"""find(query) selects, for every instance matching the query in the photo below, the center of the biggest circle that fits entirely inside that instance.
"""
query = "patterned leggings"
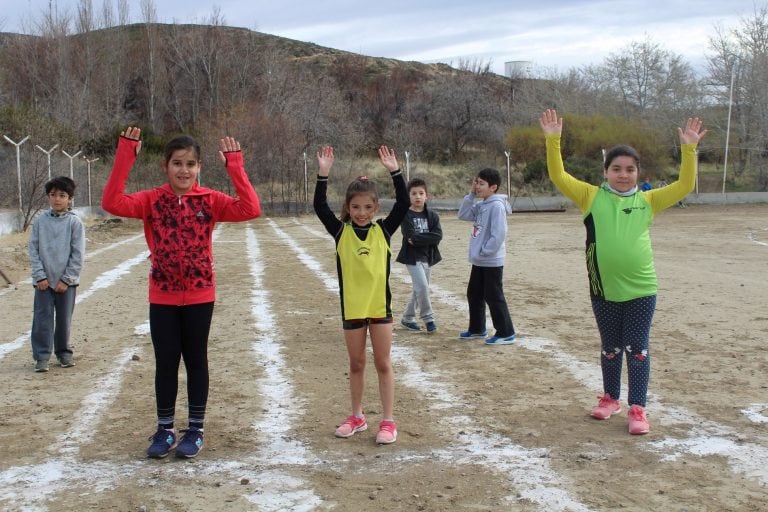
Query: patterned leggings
(625, 327)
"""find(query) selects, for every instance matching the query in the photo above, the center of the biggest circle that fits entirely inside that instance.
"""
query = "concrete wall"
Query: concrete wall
(10, 222)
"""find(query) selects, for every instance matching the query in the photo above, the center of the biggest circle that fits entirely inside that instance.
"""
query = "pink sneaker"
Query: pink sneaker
(638, 423)
(351, 425)
(606, 407)
(387, 432)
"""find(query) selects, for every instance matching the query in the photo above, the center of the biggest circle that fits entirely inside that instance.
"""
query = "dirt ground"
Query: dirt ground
(480, 428)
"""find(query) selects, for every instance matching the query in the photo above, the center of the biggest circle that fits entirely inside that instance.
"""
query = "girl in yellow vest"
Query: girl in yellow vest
(363, 265)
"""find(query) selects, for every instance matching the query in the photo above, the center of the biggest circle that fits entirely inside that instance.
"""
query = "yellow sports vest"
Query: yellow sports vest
(364, 274)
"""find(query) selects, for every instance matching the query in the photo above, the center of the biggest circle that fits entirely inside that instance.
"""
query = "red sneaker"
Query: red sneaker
(606, 407)
(387, 432)
(350, 426)
(638, 423)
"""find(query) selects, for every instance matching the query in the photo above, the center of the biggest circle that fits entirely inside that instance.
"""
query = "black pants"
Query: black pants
(486, 287)
(180, 331)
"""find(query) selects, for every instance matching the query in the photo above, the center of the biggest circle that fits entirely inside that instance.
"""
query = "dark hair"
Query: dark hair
(621, 150)
(417, 182)
(360, 186)
(61, 183)
(491, 176)
(181, 142)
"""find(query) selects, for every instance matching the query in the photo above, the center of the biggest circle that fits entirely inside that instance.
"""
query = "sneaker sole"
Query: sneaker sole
(355, 431)
(598, 417)
(180, 455)
(639, 432)
(378, 441)
(41, 370)
(500, 342)
(164, 455)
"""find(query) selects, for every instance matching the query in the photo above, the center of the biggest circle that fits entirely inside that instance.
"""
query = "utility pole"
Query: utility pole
(407, 166)
(89, 162)
(509, 180)
(48, 154)
(18, 172)
(71, 168)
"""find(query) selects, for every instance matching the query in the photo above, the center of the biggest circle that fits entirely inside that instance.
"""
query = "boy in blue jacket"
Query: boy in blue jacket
(486, 254)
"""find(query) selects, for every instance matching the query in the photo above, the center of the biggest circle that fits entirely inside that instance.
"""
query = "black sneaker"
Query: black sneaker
(191, 443)
(66, 362)
(163, 442)
(431, 327)
(41, 366)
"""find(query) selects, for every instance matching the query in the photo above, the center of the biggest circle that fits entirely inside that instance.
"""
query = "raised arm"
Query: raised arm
(113, 198)
(247, 205)
(690, 136)
(320, 203)
(580, 192)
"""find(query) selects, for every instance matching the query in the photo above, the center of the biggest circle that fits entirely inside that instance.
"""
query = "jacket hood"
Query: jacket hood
(502, 198)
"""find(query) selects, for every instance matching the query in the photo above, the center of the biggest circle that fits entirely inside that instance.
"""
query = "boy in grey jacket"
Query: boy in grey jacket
(486, 254)
(56, 253)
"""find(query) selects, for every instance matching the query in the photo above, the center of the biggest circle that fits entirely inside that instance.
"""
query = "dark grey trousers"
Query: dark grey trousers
(52, 322)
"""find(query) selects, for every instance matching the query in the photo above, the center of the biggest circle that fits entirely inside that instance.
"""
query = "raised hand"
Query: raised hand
(133, 133)
(227, 145)
(550, 123)
(388, 158)
(325, 160)
(693, 132)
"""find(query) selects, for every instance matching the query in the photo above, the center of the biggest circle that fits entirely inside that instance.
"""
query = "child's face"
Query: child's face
(58, 200)
(362, 209)
(418, 197)
(483, 189)
(622, 173)
(182, 170)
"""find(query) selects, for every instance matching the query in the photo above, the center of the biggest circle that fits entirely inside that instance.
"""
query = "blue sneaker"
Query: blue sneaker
(499, 340)
(431, 327)
(191, 443)
(466, 335)
(411, 326)
(163, 442)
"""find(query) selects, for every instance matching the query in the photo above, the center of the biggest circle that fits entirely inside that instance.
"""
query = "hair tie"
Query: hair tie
(362, 178)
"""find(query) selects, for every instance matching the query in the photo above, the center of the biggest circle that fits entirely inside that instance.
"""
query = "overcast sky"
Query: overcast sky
(550, 33)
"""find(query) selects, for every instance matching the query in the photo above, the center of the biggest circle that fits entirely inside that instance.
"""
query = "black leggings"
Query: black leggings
(180, 331)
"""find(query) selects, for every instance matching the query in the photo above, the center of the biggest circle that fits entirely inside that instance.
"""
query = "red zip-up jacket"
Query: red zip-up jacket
(179, 229)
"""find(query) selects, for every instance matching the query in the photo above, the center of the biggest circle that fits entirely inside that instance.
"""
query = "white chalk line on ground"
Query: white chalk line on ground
(706, 438)
(756, 413)
(529, 470)
(276, 447)
(753, 238)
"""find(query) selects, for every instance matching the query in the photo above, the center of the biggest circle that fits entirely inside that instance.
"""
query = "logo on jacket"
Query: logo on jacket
(629, 210)
(364, 251)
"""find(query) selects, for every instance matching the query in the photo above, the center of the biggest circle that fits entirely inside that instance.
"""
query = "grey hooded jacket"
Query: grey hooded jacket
(57, 248)
(489, 229)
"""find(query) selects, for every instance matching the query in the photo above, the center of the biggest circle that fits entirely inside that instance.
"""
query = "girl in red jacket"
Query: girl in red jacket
(178, 225)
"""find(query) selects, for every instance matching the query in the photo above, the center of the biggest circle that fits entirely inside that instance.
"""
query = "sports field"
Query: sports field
(480, 428)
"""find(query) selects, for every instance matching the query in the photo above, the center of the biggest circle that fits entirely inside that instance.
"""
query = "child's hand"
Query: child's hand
(61, 287)
(42, 285)
(133, 133)
(325, 160)
(693, 132)
(388, 158)
(549, 122)
(227, 145)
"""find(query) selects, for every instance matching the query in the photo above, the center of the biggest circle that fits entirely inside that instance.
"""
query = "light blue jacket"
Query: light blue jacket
(489, 229)
(57, 248)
